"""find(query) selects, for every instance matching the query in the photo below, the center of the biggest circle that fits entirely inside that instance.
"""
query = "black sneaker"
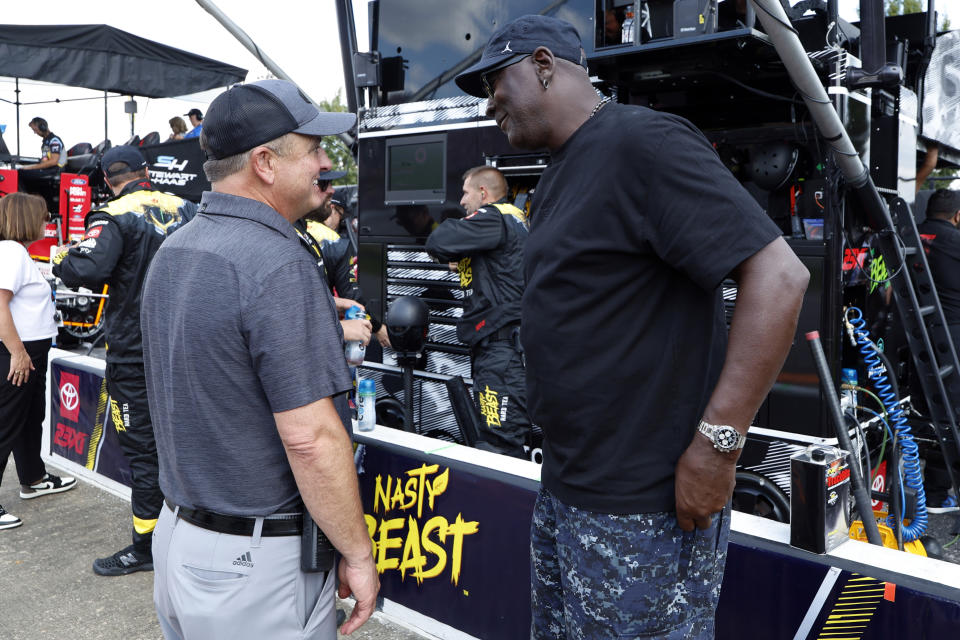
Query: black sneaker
(8, 520)
(123, 562)
(49, 484)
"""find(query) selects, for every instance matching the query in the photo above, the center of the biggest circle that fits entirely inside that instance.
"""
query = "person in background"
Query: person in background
(643, 404)
(248, 388)
(487, 248)
(317, 238)
(117, 248)
(27, 327)
(339, 261)
(178, 128)
(196, 121)
(37, 178)
(941, 242)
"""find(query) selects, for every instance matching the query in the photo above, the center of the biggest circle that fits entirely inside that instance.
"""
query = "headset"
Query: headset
(41, 124)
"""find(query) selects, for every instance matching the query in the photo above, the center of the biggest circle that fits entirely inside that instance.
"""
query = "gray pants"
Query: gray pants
(211, 586)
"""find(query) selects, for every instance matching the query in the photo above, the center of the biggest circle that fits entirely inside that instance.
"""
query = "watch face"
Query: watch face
(726, 438)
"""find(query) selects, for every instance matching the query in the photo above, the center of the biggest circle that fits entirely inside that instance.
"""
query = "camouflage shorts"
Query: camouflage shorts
(598, 576)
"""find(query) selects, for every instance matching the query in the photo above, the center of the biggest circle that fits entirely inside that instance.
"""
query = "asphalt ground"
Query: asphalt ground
(48, 590)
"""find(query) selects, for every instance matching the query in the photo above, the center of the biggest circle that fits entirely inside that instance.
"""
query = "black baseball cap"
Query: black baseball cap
(195, 112)
(128, 156)
(247, 115)
(521, 38)
(944, 201)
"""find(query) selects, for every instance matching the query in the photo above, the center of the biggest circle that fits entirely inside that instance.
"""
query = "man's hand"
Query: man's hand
(359, 329)
(704, 483)
(382, 337)
(361, 581)
(345, 303)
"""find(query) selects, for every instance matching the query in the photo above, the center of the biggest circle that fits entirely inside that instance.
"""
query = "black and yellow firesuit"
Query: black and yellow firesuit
(120, 241)
(488, 246)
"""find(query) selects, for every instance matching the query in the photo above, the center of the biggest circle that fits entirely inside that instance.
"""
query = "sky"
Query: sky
(299, 35)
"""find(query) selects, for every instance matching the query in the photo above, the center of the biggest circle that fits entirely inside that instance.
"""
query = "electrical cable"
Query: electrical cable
(861, 442)
(903, 495)
(877, 371)
(952, 542)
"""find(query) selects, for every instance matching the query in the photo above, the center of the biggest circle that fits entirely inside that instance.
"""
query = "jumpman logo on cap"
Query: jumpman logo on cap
(507, 48)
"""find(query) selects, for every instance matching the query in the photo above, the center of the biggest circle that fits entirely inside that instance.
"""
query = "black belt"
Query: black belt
(504, 333)
(273, 526)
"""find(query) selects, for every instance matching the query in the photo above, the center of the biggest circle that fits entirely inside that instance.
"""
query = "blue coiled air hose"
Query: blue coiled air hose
(877, 372)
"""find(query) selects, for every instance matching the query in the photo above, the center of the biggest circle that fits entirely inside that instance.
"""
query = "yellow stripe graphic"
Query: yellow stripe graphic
(97, 426)
(851, 614)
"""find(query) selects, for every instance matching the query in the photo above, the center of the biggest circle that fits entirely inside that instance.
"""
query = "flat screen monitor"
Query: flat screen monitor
(416, 171)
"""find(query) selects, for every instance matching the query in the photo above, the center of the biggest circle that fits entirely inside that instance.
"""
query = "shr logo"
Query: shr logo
(170, 162)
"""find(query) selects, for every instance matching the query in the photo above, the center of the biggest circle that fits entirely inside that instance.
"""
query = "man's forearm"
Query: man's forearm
(771, 285)
(321, 458)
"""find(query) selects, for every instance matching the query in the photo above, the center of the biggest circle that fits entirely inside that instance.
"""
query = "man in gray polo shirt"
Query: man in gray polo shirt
(247, 381)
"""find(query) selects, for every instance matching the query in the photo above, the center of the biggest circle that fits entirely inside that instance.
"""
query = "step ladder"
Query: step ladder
(931, 348)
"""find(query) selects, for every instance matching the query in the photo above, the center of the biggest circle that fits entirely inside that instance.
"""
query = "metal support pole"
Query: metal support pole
(106, 134)
(16, 92)
(252, 47)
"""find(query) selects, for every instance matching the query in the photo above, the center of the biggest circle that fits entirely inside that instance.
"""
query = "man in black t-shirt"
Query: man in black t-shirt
(643, 404)
(941, 240)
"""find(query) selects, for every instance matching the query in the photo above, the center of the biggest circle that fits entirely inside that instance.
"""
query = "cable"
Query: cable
(759, 92)
(952, 542)
(877, 371)
(882, 449)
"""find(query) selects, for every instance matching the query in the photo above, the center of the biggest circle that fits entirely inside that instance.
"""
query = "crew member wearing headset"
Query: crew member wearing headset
(37, 178)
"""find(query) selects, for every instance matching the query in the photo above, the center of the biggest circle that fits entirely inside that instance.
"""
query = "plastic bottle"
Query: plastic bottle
(366, 405)
(848, 397)
(626, 30)
(355, 350)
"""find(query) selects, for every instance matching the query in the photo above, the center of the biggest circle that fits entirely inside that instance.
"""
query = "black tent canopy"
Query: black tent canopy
(98, 56)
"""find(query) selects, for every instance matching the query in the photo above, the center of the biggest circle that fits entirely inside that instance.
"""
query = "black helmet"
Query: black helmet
(771, 165)
(407, 322)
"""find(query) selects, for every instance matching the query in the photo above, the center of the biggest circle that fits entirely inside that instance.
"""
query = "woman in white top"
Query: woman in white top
(26, 327)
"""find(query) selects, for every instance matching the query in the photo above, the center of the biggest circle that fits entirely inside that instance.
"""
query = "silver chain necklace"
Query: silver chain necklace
(599, 106)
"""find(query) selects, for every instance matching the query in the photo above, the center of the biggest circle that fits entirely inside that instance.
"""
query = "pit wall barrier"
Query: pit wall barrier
(449, 529)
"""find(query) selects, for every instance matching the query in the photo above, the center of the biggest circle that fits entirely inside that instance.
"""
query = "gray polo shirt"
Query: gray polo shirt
(237, 325)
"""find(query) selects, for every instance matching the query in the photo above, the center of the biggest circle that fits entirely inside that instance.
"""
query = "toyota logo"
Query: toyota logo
(69, 397)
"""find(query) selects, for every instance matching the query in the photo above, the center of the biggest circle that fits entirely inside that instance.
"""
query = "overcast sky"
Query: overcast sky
(299, 35)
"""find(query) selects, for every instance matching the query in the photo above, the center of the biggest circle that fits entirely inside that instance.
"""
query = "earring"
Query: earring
(545, 83)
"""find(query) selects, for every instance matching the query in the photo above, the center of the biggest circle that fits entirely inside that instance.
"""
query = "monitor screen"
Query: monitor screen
(416, 170)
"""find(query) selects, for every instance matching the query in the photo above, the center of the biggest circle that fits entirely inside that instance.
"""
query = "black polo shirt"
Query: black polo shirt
(634, 225)
(941, 241)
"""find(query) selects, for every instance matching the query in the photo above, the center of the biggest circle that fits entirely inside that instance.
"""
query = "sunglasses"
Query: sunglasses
(323, 185)
(489, 78)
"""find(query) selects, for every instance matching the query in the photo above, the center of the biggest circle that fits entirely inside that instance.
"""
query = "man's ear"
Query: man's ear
(546, 65)
(263, 164)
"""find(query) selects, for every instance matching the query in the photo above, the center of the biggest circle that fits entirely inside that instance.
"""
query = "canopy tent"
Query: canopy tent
(98, 56)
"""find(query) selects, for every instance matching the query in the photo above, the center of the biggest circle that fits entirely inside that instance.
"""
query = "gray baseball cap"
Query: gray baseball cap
(247, 115)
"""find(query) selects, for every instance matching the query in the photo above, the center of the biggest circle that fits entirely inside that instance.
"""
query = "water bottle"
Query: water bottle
(366, 405)
(354, 351)
(626, 30)
(848, 397)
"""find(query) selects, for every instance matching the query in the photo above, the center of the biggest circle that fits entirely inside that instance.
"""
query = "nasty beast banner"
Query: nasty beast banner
(80, 426)
(449, 543)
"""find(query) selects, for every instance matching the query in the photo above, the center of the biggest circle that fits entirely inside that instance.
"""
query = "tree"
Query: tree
(903, 7)
(339, 153)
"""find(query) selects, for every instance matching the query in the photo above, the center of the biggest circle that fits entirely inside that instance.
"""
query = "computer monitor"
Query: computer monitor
(416, 170)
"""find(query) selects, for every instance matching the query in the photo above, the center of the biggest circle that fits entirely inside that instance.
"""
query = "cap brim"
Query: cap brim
(470, 80)
(331, 175)
(328, 123)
